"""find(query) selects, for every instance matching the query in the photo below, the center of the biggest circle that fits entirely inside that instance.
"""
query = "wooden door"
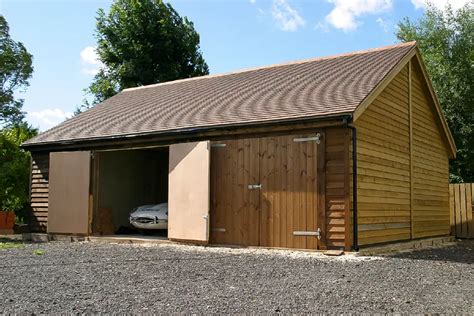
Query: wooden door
(188, 191)
(69, 182)
(235, 208)
(289, 193)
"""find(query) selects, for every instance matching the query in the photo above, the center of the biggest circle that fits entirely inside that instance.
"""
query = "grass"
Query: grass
(38, 252)
(18, 245)
(11, 245)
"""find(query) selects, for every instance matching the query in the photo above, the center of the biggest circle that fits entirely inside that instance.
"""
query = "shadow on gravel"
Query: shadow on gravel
(462, 252)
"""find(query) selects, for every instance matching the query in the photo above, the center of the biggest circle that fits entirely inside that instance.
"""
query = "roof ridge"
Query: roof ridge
(302, 61)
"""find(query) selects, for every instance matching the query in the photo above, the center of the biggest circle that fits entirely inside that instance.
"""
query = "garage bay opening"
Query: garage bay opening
(130, 192)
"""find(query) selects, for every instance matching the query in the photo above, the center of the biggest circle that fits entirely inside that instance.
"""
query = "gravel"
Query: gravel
(91, 278)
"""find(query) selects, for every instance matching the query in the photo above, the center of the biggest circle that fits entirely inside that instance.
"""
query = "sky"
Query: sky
(235, 34)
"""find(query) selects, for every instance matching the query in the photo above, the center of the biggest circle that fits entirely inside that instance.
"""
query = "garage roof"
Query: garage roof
(314, 88)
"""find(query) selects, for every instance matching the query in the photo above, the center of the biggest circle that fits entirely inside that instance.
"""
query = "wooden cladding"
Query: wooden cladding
(38, 216)
(461, 205)
(298, 190)
(384, 165)
(430, 164)
(403, 164)
(268, 192)
(336, 172)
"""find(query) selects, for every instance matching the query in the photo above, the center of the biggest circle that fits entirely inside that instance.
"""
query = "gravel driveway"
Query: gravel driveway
(91, 277)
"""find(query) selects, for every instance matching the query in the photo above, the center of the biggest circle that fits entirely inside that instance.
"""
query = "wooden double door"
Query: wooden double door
(267, 192)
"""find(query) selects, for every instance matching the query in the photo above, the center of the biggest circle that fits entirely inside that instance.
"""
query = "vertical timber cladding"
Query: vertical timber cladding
(289, 193)
(264, 191)
(234, 208)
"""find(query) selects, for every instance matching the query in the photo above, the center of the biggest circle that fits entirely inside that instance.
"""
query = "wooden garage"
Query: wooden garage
(327, 153)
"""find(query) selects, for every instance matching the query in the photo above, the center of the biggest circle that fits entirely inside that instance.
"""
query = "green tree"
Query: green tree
(446, 39)
(15, 70)
(141, 42)
(14, 167)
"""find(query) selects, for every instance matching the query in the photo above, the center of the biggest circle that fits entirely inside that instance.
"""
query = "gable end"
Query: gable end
(415, 57)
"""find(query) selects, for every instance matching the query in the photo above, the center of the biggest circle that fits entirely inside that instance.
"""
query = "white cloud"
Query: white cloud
(440, 4)
(286, 17)
(90, 61)
(343, 15)
(47, 118)
(384, 25)
(89, 56)
(253, 1)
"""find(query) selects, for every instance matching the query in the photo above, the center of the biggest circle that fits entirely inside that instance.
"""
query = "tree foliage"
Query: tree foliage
(143, 42)
(446, 38)
(14, 167)
(15, 70)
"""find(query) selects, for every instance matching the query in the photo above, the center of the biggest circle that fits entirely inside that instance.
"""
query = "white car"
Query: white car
(150, 216)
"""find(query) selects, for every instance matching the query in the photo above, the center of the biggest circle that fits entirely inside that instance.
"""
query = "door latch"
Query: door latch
(254, 186)
(318, 233)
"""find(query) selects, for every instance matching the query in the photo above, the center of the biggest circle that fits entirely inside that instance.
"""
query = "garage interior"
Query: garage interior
(123, 180)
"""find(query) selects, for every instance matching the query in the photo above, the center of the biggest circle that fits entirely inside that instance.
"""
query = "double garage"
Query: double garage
(327, 153)
(264, 191)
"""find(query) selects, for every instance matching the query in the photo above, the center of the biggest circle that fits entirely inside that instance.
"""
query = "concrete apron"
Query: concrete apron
(132, 239)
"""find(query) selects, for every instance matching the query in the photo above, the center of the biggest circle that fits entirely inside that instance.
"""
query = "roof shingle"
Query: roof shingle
(311, 88)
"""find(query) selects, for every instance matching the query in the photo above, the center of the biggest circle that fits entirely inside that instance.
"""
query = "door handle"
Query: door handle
(254, 186)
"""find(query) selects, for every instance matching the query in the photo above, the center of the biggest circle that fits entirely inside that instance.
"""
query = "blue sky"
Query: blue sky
(235, 34)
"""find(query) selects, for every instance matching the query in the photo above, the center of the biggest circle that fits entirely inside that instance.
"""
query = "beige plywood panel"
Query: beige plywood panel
(189, 187)
(69, 180)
